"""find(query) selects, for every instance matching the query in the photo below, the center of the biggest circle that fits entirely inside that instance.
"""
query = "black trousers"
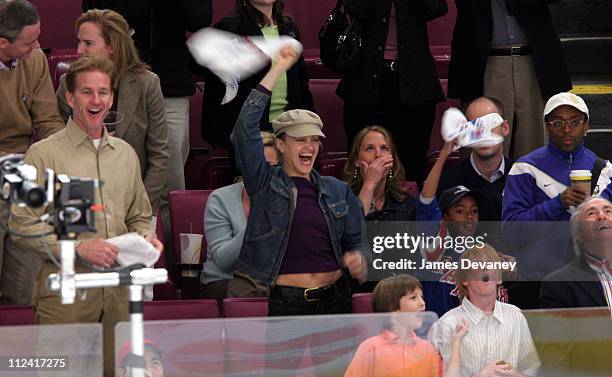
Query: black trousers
(410, 126)
(337, 302)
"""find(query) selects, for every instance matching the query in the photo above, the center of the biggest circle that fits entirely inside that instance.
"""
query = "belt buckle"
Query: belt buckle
(515, 51)
(306, 294)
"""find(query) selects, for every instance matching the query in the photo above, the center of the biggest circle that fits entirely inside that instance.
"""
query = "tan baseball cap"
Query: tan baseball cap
(298, 123)
(568, 99)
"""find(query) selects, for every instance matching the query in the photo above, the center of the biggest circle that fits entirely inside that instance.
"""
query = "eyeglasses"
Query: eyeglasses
(560, 123)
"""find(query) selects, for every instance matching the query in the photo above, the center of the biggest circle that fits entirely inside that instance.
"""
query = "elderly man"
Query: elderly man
(538, 188)
(29, 108)
(486, 169)
(84, 149)
(587, 281)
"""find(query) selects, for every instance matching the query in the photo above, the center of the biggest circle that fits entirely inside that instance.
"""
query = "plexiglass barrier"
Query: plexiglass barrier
(284, 346)
(573, 342)
(51, 350)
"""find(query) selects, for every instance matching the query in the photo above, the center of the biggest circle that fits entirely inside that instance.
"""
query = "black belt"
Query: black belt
(308, 294)
(391, 65)
(511, 51)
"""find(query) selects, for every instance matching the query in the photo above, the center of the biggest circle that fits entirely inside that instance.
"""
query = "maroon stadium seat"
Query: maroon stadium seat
(59, 62)
(187, 215)
(57, 22)
(16, 315)
(329, 106)
(362, 303)
(187, 309)
(206, 172)
(412, 187)
(245, 307)
(332, 166)
(195, 118)
(440, 35)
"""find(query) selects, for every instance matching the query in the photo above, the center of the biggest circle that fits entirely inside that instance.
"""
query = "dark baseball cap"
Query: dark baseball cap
(454, 194)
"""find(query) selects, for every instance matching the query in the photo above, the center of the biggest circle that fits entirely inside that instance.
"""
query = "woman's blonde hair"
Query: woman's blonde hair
(116, 34)
(486, 253)
(352, 177)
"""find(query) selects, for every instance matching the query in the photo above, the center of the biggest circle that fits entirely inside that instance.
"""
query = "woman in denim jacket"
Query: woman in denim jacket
(304, 230)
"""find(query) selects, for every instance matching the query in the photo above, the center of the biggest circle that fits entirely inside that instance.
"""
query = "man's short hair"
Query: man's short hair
(88, 63)
(14, 16)
(497, 103)
(389, 291)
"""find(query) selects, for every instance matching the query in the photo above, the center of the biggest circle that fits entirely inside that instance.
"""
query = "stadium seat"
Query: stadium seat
(245, 307)
(412, 187)
(16, 315)
(329, 107)
(187, 216)
(57, 23)
(59, 62)
(188, 309)
(362, 303)
(208, 172)
(195, 118)
(166, 291)
(332, 166)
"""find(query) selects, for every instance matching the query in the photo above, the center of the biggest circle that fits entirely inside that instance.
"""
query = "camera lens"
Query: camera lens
(32, 194)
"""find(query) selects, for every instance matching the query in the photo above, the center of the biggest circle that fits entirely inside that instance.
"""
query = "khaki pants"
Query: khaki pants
(177, 118)
(106, 305)
(513, 81)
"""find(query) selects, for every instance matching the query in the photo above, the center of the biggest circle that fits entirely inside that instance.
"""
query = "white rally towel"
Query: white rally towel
(472, 134)
(234, 57)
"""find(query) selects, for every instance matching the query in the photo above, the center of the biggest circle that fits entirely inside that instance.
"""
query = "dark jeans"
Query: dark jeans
(409, 126)
(337, 302)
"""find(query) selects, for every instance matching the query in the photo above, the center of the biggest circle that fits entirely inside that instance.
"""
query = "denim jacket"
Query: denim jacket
(273, 200)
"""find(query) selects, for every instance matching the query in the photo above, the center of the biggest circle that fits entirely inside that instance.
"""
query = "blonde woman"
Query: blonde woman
(137, 94)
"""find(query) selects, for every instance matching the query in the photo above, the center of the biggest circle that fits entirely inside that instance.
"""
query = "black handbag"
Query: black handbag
(340, 40)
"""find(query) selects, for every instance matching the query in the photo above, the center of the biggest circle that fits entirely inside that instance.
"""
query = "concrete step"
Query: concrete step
(585, 29)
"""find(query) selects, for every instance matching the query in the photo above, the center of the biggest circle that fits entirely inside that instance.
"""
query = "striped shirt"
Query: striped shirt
(504, 335)
(603, 270)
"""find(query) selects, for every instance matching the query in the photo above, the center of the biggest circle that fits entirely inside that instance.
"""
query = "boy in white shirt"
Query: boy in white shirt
(498, 342)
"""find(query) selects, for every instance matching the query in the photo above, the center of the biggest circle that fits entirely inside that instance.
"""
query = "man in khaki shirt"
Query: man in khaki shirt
(84, 149)
(28, 107)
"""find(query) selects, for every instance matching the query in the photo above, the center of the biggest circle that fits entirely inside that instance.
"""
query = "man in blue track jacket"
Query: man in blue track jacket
(538, 189)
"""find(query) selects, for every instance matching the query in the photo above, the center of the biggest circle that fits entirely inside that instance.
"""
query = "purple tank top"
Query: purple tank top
(309, 248)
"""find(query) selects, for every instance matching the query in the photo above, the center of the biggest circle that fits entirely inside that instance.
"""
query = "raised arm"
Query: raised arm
(245, 136)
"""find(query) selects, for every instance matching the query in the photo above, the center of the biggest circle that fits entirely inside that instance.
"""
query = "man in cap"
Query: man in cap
(486, 168)
(539, 189)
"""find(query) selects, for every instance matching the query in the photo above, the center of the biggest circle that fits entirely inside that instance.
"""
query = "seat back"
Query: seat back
(329, 107)
(16, 315)
(245, 307)
(187, 216)
(362, 303)
(59, 62)
(180, 309)
(332, 166)
(57, 22)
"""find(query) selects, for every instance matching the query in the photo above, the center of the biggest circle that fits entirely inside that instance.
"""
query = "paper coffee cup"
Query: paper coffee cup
(191, 248)
(582, 179)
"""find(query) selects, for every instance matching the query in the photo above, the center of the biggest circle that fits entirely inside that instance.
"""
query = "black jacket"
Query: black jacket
(160, 27)
(472, 41)
(574, 285)
(419, 83)
(218, 120)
